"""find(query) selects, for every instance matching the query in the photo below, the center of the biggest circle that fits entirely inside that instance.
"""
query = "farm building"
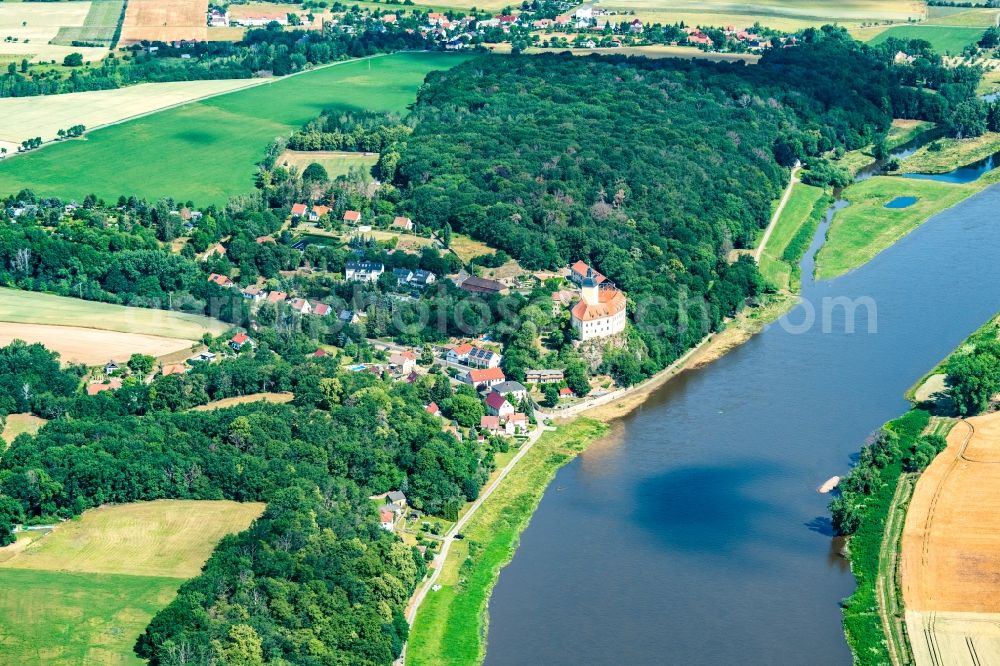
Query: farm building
(478, 285)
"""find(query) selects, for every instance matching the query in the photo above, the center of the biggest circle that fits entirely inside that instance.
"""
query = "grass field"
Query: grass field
(162, 538)
(944, 39)
(63, 619)
(466, 248)
(18, 424)
(29, 307)
(953, 153)
(277, 398)
(450, 626)
(164, 20)
(979, 17)
(35, 24)
(26, 117)
(207, 151)
(866, 227)
(99, 27)
(336, 163)
(792, 225)
(652, 51)
(83, 593)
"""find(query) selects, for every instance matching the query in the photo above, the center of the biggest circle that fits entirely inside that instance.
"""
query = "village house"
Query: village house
(433, 409)
(352, 216)
(402, 224)
(403, 362)
(220, 280)
(111, 367)
(480, 357)
(299, 209)
(348, 317)
(543, 376)
(517, 424)
(203, 357)
(397, 499)
(387, 519)
(173, 369)
(317, 212)
(276, 297)
(483, 377)
(513, 391)
(254, 293)
(580, 270)
(600, 311)
(566, 392)
(497, 405)
(300, 305)
(418, 278)
(112, 385)
(320, 353)
(321, 309)
(218, 18)
(459, 353)
(239, 341)
(363, 271)
(264, 239)
(490, 424)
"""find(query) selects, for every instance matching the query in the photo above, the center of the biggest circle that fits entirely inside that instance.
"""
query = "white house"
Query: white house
(600, 311)
(514, 391)
(363, 271)
(459, 353)
(480, 357)
(497, 405)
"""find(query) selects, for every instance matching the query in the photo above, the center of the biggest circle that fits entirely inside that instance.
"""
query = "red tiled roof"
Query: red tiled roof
(489, 422)
(321, 308)
(495, 400)
(433, 409)
(276, 297)
(581, 269)
(320, 353)
(240, 338)
(298, 209)
(462, 349)
(565, 391)
(321, 210)
(352, 216)
(264, 239)
(610, 302)
(112, 385)
(174, 369)
(486, 374)
(220, 280)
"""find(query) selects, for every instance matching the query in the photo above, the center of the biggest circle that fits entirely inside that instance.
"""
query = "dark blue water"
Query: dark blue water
(693, 533)
(901, 202)
(965, 174)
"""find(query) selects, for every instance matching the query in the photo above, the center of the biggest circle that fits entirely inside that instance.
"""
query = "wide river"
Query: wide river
(693, 533)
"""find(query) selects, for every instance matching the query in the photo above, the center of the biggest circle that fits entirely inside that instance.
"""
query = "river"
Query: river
(693, 533)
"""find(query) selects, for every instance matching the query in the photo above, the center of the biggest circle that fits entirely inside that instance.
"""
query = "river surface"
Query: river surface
(693, 533)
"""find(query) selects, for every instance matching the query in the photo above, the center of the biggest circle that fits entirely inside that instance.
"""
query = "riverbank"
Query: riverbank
(943, 155)
(450, 626)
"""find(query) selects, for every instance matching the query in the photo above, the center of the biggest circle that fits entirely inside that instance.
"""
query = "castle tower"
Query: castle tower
(588, 289)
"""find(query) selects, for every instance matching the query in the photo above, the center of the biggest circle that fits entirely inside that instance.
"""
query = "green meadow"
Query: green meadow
(207, 151)
(791, 235)
(944, 39)
(57, 618)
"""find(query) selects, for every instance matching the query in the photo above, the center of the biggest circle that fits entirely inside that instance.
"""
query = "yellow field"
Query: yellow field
(778, 14)
(277, 398)
(466, 248)
(950, 553)
(336, 163)
(28, 307)
(20, 423)
(967, 18)
(33, 24)
(162, 538)
(26, 117)
(164, 20)
(88, 345)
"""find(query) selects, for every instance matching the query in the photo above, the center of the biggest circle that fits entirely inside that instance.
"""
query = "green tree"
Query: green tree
(141, 364)
(315, 173)
(551, 395)
(73, 60)
(466, 410)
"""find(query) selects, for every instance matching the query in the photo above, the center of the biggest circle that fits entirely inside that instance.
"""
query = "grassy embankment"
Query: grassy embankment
(867, 227)
(779, 262)
(871, 545)
(207, 151)
(945, 155)
(450, 627)
(83, 593)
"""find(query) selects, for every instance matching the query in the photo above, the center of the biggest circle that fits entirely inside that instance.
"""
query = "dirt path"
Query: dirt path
(777, 214)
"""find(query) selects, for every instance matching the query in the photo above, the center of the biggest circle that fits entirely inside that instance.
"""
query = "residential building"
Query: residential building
(403, 362)
(218, 18)
(363, 271)
(402, 224)
(254, 293)
(566, 392)
(276, 297)
(317, 212)
(397, 499)
(300, 305)
(459, 353)
(484, 377)
(517, 424)
(352, 216)
(260, 20)
(417, 278)
(480, 357)
(111, 367)
(264, 239)
(203, 357)
(239, 341)
(220, 280)
(348, 317)
(387, 519)
(543, 376)
(321, 309)
(513, 391)
(580, 270)
(497, 405)
(299, 209)
(490, 424)
(111, 385)
(600, 311)
(433, 409)
(173, 369)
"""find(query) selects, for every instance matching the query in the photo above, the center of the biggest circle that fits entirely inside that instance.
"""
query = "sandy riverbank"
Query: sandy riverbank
(743, 327)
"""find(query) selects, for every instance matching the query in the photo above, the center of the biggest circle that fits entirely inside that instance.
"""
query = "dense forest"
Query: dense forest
(650, 170)
(315, 579)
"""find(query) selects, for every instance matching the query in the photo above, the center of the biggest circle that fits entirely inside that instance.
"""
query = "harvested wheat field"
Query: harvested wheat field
(162, 538)
(32, 25)
(276, 398)
(90, 346)
(950, 563)
(164, 20)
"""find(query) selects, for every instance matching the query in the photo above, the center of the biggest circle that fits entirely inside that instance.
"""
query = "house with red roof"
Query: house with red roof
(352, 216)
(433, 409)
(254, 293)
(387, 519)
(600, 312)
(174, 369)
(276, 297)
(459, 353)
(220, 280)
(487, 377)
(299, 209)
(300, 305)
(317, 212)
(490, 424)
(264, 239)
(580, 270)
(111, 385)
(320, 353)
(497, 405)
(517, 424)
(566, 392)
(239, 341)
(321, 309)
(402, 224)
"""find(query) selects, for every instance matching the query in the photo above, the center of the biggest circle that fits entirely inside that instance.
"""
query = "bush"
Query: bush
(73, 60)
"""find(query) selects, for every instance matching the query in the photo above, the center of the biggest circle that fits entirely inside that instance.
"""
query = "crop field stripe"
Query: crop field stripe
(102, 24)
